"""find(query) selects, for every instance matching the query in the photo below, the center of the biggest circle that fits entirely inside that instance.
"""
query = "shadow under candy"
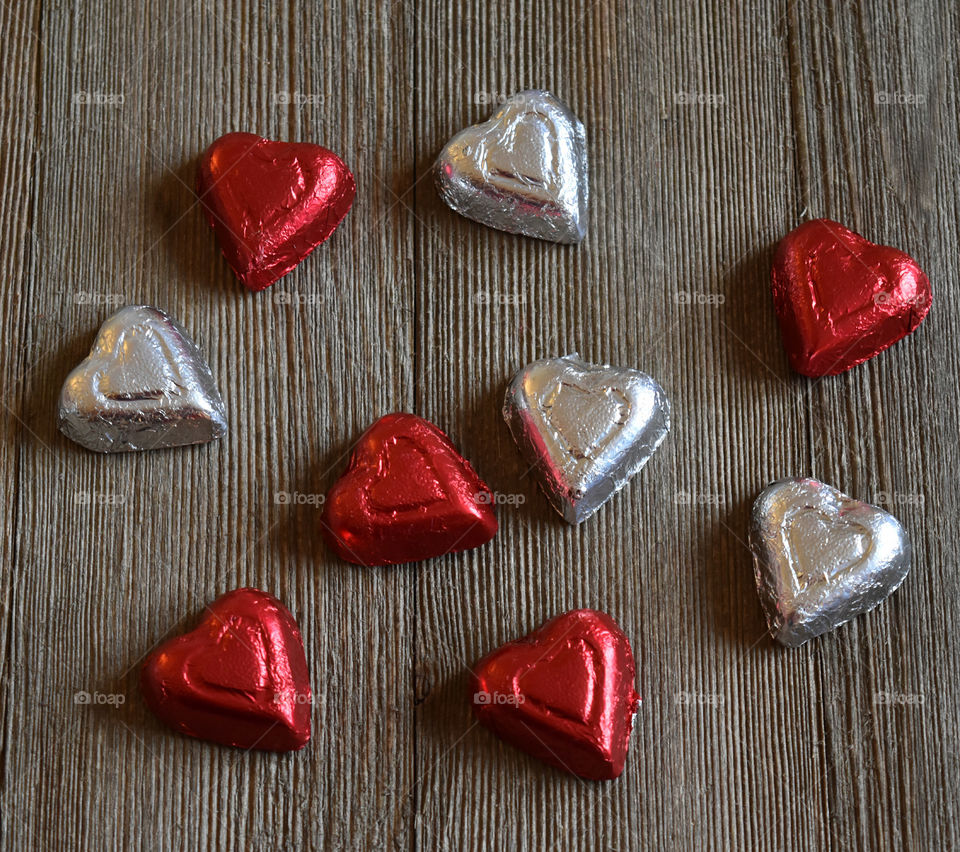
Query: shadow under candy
(179, 222)
(749, 319)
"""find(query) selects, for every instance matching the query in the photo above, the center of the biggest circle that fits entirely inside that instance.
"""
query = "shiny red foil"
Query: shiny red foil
(406, 495)
(841, 299)
(271, 203)
(239, 679)
(564, 694)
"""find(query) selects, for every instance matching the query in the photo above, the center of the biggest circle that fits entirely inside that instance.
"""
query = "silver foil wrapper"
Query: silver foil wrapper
(586, 429)
(144, 386)
(821, 557)
(523, 171)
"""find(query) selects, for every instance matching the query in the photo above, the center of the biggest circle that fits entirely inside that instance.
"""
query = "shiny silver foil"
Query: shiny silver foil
(144, 386)
(523, 171)
(821, 557)
(586, 429)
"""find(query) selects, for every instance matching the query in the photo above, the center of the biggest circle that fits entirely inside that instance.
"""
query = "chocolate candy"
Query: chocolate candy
(841, 299)
(271, 203)
(586, 429)
(821, 558)
(144, 386)
(523, 171)
(239, 679)
(406, 495)
(564, 694)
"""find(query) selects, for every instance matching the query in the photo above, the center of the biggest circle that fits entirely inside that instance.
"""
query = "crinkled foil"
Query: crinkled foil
(564, 693)
(523, 171)
(586, 429)
(144, 386)
(841, 299)
(240, 678)
(821, 557)
(406, 495)
(271, 203)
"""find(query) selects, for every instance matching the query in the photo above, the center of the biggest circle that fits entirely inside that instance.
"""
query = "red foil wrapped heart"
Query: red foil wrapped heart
(564, 694)
(239, 679)
(271, 203)
(406, 495)
(841, 299)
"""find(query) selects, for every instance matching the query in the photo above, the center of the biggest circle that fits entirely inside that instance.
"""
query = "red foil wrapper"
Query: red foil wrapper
(564, 694)
(239, 679)
(271, 203)
(406, 495)
(841, 299)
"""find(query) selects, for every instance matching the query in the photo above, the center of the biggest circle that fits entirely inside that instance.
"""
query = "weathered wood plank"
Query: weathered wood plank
(712, 132)
(738, 743)
(883, 156)
(620, 297)
(18, 154)
(98, 585)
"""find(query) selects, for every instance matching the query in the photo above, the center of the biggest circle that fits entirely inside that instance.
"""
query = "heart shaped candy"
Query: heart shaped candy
(821, 558)
(143, 386)
(239, 679)
(523, 171)
(564, 694)
(406, 495)
(586, 429)
(271, 203)
(841, 299)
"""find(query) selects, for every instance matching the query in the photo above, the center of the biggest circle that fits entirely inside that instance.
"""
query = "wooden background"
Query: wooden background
(713, 129)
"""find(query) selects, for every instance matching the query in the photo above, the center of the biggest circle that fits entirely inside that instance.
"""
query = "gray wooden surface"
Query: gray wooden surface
(713, 129)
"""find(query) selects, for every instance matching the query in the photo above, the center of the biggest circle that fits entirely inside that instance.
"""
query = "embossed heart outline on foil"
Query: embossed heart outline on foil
(524, 170)
(576, 717)
(239, 678)
(804, 574)
(800, 603)
(439, 503)
(271, 203)
(571, 394)
(546, 661)
(145, 385)
(587, 456)
(842, 299)
(391, 456)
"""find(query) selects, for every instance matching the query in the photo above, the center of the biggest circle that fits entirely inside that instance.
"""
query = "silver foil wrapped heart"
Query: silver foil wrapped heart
(144, 386)
(585, 428)
(523, 171)
(821, 557)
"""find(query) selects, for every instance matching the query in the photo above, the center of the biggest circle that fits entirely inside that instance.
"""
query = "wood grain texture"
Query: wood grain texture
(713, 130)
